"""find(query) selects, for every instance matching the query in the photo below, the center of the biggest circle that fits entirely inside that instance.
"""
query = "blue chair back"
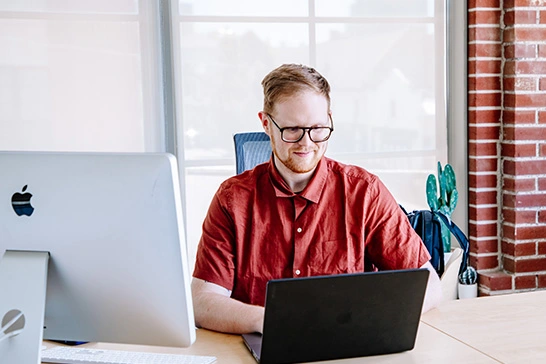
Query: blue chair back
(251, 149)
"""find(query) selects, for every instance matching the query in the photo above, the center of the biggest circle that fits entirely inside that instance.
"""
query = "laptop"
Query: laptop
(339, 316)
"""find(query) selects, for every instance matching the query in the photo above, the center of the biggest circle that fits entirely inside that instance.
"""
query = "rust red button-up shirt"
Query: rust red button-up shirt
(257, 229)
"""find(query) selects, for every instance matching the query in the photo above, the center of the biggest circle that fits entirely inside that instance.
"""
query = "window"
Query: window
(385, 61)
(184, 75)
(79, 76)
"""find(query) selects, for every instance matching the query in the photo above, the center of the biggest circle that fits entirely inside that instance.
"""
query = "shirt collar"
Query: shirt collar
(312, 191)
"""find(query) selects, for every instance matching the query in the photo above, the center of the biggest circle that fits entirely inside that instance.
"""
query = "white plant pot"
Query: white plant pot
(467, 290)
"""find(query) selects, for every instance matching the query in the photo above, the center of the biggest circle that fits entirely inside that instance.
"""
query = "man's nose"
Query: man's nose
(306, 140)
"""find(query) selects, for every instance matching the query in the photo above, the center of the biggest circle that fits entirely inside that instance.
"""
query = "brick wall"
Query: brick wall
(507, 143)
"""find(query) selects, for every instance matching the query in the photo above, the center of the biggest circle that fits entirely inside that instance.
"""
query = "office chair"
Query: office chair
(251, 149)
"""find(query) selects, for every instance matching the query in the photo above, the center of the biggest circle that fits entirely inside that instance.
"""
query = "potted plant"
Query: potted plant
(443, 200)
(468, 283)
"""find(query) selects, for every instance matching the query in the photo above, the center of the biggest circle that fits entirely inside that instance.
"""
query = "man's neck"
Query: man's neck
(295, 181)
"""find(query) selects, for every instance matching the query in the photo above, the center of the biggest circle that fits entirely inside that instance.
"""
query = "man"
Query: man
(301, 214)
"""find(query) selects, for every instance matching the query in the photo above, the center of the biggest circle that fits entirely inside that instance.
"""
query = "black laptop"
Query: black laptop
(340, 316)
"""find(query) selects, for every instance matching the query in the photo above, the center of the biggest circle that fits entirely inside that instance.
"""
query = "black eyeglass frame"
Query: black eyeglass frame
(305, 129)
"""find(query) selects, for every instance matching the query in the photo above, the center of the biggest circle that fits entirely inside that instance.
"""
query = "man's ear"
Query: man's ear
(265, 121)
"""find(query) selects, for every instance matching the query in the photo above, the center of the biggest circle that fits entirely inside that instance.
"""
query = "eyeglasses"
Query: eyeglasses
(293, 134)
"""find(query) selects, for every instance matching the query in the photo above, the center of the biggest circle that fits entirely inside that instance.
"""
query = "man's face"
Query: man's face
(305, 109)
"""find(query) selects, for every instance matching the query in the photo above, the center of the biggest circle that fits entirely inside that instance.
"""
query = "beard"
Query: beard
(297, 164)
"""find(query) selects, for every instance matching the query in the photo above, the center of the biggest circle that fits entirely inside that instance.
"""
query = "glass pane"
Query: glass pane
(375, 8)
(244, 7)
(201, 184)
(222, 69)
(383, 100)
(71, 86)
(71, 6)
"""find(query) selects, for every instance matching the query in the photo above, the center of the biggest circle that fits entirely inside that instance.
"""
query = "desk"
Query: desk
(432, 346)
(510, 328)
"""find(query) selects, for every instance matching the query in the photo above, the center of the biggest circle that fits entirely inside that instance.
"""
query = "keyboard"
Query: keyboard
(75, 355)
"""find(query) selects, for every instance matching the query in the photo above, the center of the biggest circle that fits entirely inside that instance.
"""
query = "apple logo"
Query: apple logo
(21, 203)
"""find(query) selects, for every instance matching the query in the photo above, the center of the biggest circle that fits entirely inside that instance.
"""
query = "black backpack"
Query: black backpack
(426, 224)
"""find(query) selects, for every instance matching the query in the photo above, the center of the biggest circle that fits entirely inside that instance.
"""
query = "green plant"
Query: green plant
(469, 276)
(446, 200)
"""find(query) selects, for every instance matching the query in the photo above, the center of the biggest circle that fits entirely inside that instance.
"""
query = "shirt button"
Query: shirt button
(299, 230)
(298, 272)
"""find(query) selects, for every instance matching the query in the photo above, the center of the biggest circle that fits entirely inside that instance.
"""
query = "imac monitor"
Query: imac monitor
(92, 248)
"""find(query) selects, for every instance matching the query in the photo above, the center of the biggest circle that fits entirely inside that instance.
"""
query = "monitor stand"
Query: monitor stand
(23, 282)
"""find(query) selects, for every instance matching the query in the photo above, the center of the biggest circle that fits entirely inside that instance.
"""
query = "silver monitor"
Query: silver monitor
(92, 248)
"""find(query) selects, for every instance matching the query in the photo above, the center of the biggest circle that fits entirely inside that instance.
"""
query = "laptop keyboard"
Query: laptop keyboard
(74, 355)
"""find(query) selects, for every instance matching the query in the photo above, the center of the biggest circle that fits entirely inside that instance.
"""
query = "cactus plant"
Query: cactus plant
(446, 200)
(468, 276)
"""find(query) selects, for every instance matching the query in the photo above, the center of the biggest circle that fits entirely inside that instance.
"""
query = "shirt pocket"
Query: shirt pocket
(333, 257)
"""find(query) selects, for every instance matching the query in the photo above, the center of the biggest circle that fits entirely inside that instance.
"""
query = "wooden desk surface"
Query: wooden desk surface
(510, 328)
(432, 347)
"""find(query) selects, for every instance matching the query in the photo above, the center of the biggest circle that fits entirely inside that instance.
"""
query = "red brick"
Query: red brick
(520, 51)
(483, 4)
(485, 83)
(496, 281)
(528, 34)
(482, 197)
(484, 132)
(526, 167)
(509, 232)
(484, 99)
(488, 50)
(509, 264)
(482, 180)
(508, 200)
(542, 17)
(485, 262)
(484, 116)
(484, 66)
(520, 84)
(541, 217)
(525, 249)
(485, 213)
(484, 34)
(530, 232)
(482, 164)
(530, 67)
(542, 84)
(483, 149)
(508, 248)
(518, 150)
(532, 200)
(513, 17)
(522, 133)
(526, 282)
(483, 230)
(519, 216)
(529, 265)
(511, 116)
(484, 17)
(484, 246)
(519, 184)
(524, 3)
(522, 100)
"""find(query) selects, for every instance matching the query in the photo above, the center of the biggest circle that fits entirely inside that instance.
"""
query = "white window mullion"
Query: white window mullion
(312, 34)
